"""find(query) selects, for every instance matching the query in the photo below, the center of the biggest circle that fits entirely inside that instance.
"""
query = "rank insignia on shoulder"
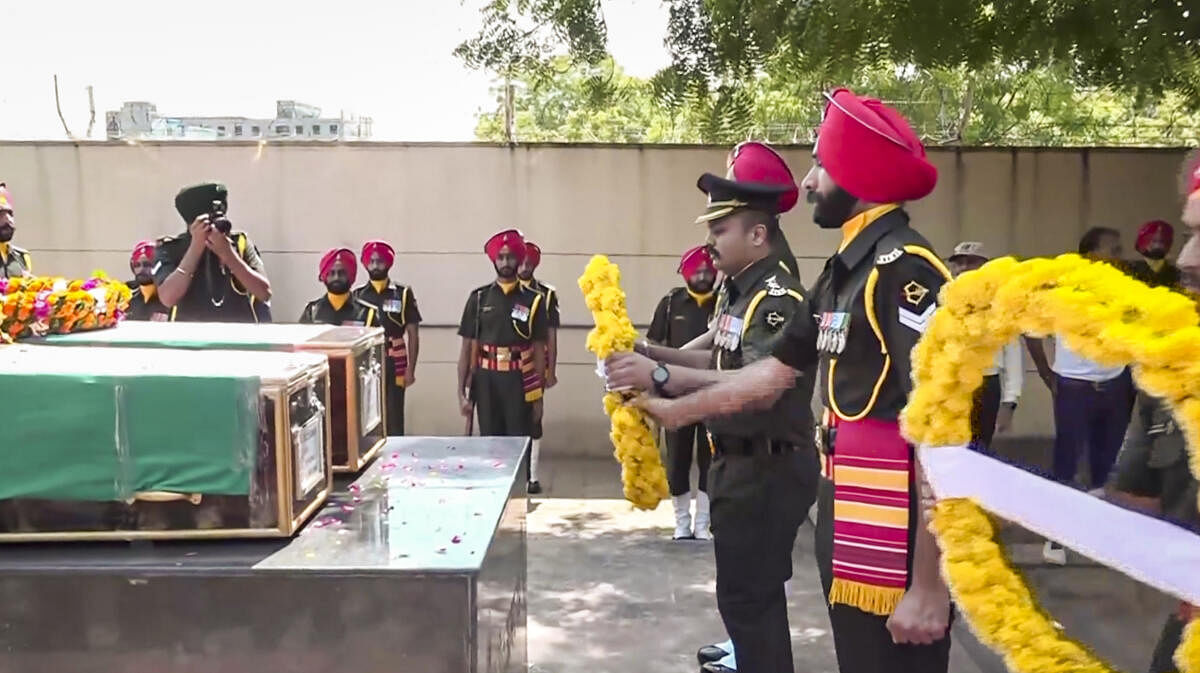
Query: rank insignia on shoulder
(889, 257)
(774, 288)
(914, 292)
(775, 319)
(917, 322)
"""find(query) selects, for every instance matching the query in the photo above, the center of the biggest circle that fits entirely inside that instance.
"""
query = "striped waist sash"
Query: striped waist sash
(871, 467)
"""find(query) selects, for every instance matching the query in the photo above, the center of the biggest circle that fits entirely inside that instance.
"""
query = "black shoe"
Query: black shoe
(714, 667)
(710, 654)
(534, 488)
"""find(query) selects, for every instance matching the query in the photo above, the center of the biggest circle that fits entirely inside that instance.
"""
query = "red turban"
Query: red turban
(385, 251)
(755, 162)
(142, 249)
(346, 255)
(695, 259)
(5, 198)
(1149, 230)
(870, 151)
(533, 254)
(512, 239)
(1192, 177)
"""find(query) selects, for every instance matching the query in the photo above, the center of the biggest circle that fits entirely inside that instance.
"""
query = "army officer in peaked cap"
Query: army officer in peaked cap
(210, 272)
(888, 605)
(764, 474)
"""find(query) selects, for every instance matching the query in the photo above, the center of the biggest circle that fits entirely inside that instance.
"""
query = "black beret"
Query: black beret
(194, 201)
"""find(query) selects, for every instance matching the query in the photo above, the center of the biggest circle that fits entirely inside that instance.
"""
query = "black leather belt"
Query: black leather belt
(749, 446)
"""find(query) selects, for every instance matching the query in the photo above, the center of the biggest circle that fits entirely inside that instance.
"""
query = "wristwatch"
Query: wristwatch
(659, 378)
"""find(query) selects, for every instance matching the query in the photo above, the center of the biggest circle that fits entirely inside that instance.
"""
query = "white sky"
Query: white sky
(387, 59)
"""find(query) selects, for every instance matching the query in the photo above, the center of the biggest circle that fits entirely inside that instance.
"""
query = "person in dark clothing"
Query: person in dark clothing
(338, 270)
(1152, 472)
(14, 262)
(533, 258)
(210, 273)
(1154, 241)
(394, 308)
(144, 303)
(889, 608)
(501, 360)
(682, 315)
(764, 475)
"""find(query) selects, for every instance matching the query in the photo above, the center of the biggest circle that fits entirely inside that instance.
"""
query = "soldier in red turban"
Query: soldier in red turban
(533, 258)
(337, 270)
(502, 362)
(393, 307)
(144, 303)
(683, 314)
(1154, 241)
(889, 607)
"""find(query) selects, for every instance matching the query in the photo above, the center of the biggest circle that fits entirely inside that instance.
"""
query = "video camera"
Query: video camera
(216, 215)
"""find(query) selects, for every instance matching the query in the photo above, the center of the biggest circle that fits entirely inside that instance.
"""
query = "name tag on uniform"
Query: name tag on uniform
(159, 317)
(520, 312)
(393, 306)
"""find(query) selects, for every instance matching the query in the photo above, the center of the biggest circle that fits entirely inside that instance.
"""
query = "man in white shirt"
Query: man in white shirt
(996, 399)
(1092, 402)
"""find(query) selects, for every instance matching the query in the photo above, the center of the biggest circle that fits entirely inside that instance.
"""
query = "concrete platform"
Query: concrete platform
(610, 592)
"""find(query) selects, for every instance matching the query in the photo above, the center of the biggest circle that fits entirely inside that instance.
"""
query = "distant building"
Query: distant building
(293, 121)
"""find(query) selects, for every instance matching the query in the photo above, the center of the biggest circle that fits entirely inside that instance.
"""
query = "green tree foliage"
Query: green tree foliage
(989, 106)
(973, 71)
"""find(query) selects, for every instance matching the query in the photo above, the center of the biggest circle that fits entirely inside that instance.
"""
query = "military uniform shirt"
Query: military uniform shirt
(872, 302)
(551, 298)
(759, 303)
(679, 318)
(497, 318)
(1166, 276)
(16, 262)
(214, 294)
(322, 311)
(1153, 462)
(140, 309)
(393, 309)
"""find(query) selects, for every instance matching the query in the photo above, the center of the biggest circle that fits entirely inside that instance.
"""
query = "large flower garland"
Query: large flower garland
(1101, 313)
(634, 442)
(37, 306)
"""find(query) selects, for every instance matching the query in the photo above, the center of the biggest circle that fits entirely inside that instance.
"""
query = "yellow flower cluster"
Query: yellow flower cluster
(36, 306)
(1101, 313)
(634, 439)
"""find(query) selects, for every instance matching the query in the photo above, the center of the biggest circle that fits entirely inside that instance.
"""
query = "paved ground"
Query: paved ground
(609, 592)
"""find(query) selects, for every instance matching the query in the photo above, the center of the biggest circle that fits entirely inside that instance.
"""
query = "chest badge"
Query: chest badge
(775, 319)
(520, 312)
(914, 293)
(392, 306)
(729, 332)
(832, 331)
(774, 288)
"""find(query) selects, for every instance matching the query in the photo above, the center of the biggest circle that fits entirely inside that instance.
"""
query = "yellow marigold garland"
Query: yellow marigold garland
(634, 441)
(1101, 313)
(36, 306)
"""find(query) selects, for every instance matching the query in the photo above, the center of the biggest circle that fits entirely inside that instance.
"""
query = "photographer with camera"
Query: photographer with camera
(210, 272)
